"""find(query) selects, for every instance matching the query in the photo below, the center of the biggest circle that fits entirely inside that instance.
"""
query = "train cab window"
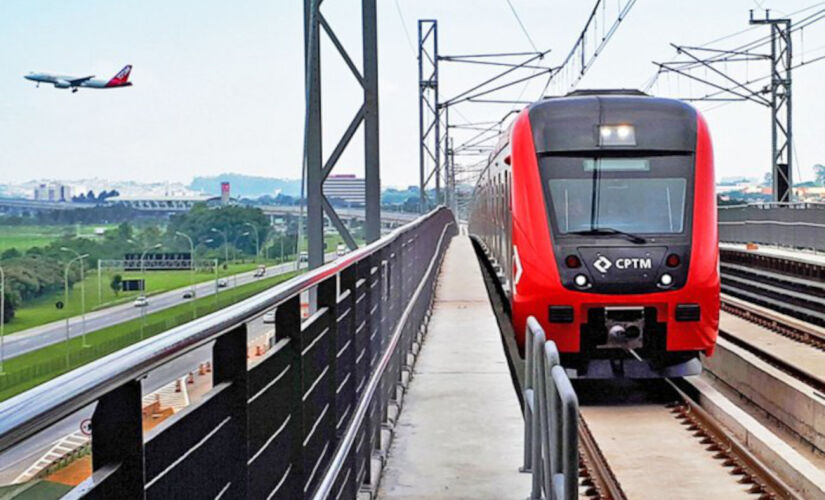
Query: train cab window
(633, 195)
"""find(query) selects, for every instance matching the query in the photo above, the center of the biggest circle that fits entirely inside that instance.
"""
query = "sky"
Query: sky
(219, 87)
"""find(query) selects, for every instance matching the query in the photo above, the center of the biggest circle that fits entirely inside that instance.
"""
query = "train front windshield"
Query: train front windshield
(645, 195)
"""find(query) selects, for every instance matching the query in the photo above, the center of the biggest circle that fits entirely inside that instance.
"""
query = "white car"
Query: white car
(269, 317)
(141, 301)
(341, 250)
(222, 283)
(303, 257)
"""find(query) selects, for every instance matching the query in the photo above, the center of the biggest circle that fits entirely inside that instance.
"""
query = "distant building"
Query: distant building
(225, 196)
(53, 192)
(348, 188)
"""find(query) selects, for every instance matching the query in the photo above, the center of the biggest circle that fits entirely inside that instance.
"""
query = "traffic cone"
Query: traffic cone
(190, 379)
(202, 369)
(177, 385)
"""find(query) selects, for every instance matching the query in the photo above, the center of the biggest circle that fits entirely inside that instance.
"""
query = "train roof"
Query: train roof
(571, 123)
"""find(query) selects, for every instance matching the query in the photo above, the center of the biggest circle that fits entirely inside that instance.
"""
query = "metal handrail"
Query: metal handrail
(348, 439)
(34, 410)
(551, 420)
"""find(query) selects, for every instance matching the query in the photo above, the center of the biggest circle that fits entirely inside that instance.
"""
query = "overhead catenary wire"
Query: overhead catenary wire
(521, 25)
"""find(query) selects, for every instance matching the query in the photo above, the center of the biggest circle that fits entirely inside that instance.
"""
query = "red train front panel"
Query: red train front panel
(612, 241)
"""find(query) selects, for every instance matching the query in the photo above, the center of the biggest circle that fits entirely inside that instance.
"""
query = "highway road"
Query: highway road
(41, 336)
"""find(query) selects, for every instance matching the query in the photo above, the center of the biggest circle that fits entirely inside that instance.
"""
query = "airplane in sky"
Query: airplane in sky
(64, 82)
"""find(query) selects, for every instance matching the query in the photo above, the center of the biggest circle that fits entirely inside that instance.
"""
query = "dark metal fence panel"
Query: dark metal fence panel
(795, 225)
(303, 419)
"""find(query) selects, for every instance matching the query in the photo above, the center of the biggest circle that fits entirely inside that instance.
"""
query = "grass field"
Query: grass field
(24, 237)
(28, 370)
(42, 310)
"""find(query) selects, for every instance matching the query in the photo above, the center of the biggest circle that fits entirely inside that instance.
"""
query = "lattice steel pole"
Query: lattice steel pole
(316, 167)
(781, 109)
(428, 130)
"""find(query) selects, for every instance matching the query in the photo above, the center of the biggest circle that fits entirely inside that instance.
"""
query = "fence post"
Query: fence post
(117, 442)
(529, 395)
(569, 416)
(229, 360)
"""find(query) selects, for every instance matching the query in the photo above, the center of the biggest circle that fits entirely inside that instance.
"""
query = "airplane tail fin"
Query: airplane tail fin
(122, 78)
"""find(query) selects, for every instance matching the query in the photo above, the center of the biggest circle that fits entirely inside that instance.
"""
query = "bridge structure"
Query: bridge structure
(399, 384)
(391, 372)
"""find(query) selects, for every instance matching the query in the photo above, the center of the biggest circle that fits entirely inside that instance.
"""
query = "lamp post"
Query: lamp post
(225, 245)
(82, 290)
(143, 284)
(2, 318)
(66, 301)
(235, 253)
(210, 240)
(191, 271)
(257, 240)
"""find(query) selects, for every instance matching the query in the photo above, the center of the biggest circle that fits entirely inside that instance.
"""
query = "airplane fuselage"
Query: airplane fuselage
(73, 82)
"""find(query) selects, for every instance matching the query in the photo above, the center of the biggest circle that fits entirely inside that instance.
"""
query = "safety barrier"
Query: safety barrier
(551, 421)
(302, 421)
(795, 225)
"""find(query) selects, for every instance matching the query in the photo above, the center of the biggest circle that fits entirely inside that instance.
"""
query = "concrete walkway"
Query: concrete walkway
(460, 431)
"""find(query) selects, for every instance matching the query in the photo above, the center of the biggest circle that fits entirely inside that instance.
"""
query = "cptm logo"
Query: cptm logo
(602, 264)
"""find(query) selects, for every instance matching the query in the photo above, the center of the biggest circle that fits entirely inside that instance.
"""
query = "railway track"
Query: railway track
(682, 452)
(802, 297)
(786, 326)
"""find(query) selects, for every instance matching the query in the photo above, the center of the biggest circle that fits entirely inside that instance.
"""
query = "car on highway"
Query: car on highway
(269, 317)
(260, 271)
(141, 301)
(341, 250)
(222, 283)
(188, 294)
(303, 258)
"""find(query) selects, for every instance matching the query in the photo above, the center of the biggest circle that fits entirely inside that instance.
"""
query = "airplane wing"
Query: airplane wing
(78, 81)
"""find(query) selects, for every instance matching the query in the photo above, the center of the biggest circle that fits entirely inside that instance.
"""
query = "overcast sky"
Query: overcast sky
(219, 88)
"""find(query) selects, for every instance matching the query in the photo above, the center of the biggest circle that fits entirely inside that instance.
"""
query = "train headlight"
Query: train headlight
(617, 135)
(581, 280)
(666, 279)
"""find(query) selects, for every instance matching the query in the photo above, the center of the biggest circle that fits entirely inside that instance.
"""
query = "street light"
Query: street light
(235, 253)
(143, 284)
(191, 271)
(66, 301)
(82, 290)
(225, 245)
(210, 240)
(257, 239)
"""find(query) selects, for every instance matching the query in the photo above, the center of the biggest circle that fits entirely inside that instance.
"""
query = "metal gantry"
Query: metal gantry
(781, 122)
(316, 168)
(725, 86)
(429, 118)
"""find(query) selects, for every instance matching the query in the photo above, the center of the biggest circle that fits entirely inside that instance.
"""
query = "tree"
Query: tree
(819, 173)
(124, 231)
(10, 253)
(116, 284)
(768, 179)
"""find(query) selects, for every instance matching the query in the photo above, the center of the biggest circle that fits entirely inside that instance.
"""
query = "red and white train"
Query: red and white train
(599, 210)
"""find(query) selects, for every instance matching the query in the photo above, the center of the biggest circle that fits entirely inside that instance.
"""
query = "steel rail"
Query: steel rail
(34, 410)
(811, 333)
(348, 439)
(604, 481)
(776, 488)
